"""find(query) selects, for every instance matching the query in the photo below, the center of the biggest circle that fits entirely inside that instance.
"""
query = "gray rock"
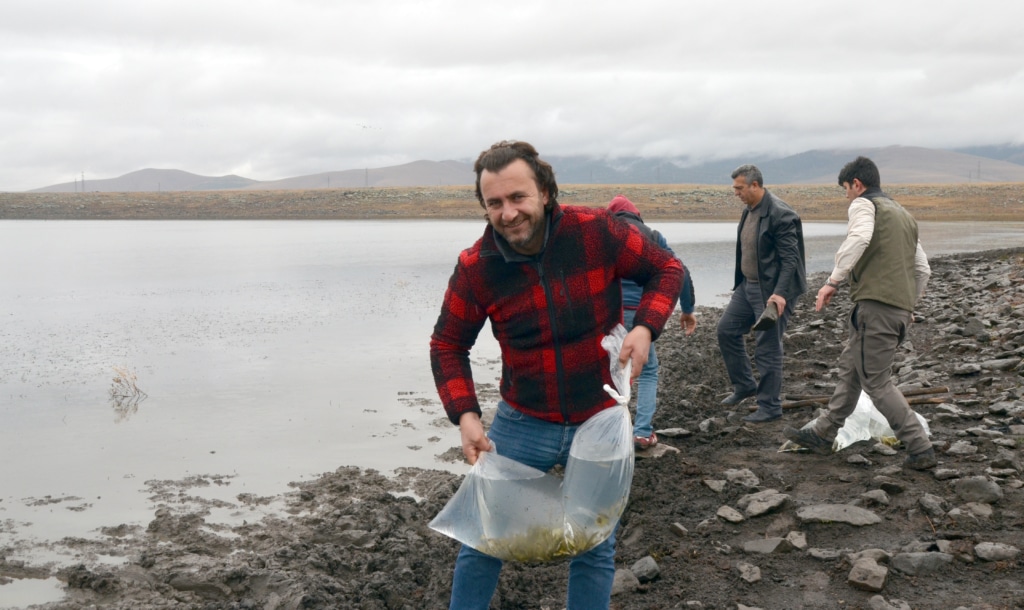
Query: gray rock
(967, 369)
(679, 530)
(978, 509)
(983, 432)
(933, 505)
(974, 328)
(858, 460)
(995, 551)
(1004, 364)
(962, 448)
(876, 496)
(762, 502)
(978, 489)
(944, 474)
(625, 582)
(837, 513)
(798, 540)
(1000, 473)
(715, 485)
(916, 564)
(883, 449)
(743, 477)
(889, 484)
(657, 451)
(674, 432)
(749, 572)
(867, 575)
(879, 603)
(645, 569)
(766, 546)
(876, 555)
(824, 554)
(730, 514)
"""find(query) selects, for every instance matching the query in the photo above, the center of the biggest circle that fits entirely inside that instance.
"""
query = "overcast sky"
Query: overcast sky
(270, 89)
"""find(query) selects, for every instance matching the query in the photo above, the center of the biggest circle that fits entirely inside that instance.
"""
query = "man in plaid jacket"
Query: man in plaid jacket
(547, 278)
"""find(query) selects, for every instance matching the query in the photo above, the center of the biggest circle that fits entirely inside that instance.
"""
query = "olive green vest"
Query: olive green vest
(885, 272)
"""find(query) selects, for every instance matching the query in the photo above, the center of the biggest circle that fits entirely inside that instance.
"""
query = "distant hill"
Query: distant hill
(898, 164)
(417, 173)
(149, 180)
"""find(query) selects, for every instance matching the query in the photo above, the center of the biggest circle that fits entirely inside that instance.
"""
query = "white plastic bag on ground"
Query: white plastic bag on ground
(865, 423)
(514, 512)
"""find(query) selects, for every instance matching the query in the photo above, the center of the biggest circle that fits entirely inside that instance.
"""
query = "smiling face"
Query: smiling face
(515, 206)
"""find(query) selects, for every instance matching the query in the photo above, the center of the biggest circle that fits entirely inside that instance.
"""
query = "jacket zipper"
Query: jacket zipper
(559, 372)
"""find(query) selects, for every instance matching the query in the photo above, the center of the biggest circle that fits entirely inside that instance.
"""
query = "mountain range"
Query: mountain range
(898, 165)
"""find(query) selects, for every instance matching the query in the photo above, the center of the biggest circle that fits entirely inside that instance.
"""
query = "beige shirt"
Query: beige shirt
(859, 229)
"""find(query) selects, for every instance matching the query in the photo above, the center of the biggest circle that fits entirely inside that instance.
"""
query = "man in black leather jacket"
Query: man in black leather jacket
(770, 272)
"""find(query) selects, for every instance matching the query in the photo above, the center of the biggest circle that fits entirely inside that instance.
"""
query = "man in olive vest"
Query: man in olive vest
(888, 271)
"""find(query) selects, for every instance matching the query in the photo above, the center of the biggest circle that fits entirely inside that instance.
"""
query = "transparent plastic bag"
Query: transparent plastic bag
(598, 476)
(514, 512)
(507, 510)
(865, 423)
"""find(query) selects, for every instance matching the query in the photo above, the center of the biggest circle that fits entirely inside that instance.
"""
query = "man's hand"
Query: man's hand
(780, 302)
(636, 346)
(825, 295)
(688, 322)
(474, 441)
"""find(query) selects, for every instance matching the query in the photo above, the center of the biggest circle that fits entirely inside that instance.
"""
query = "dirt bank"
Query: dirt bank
(684, 202)
(949, 538)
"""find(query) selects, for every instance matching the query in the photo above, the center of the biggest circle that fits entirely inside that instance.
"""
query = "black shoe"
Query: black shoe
(921, 461)
(761, 416)
(768, 318)
(807, 439)
(737, 397)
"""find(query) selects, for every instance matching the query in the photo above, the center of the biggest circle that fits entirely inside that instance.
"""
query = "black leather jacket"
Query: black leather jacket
(781, 267)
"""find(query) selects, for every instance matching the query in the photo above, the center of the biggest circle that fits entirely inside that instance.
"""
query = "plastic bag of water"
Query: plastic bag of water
(514, 512)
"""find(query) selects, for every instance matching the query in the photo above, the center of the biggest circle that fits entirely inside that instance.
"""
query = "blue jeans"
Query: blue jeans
(743, 310)
(646, 385)
(539, 444)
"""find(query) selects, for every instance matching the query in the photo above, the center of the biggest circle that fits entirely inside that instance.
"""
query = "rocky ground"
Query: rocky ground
(718, 518)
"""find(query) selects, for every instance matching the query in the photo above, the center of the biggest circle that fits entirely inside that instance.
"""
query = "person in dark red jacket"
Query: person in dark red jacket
(548, 279)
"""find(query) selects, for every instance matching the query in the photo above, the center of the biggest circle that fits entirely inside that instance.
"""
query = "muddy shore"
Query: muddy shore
(718, 517)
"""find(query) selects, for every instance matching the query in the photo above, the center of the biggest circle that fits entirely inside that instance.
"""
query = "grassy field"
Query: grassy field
(683, 202)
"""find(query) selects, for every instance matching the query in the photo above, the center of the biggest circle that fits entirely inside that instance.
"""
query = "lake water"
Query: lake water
(270, 352)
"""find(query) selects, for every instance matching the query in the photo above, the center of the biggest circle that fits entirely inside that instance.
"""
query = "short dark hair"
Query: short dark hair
(501, 154)
(862, 169)
(750, 173)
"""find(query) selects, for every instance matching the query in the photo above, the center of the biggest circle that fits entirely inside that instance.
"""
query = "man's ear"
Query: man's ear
(858, 185)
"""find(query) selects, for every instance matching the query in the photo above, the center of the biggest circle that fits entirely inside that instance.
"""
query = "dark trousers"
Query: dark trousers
(743, 310)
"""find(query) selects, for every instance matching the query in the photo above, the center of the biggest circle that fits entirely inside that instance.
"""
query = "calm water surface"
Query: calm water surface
(270, 352)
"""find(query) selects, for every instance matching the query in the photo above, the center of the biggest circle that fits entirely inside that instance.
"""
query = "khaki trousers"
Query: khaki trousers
(876, 330)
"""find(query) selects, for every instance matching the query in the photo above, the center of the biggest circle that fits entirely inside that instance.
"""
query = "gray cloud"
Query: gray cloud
(279, 88)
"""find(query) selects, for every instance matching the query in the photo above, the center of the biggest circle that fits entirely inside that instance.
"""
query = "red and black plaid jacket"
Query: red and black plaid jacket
(549, 314)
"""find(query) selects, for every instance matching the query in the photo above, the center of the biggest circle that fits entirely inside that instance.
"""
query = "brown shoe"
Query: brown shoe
(921, 461)
(806, 438)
